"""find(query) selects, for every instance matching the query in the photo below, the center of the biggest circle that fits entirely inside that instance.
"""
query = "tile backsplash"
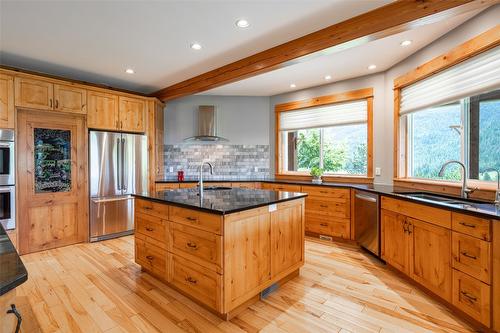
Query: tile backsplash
(229, 161)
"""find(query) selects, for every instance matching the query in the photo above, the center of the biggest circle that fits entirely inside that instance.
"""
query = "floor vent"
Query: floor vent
(264, 293)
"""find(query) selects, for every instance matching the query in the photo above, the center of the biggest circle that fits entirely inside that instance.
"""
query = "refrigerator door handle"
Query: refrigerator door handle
(118, 173)
(123, 180)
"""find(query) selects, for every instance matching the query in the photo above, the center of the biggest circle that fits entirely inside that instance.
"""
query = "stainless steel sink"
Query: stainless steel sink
(437, 198)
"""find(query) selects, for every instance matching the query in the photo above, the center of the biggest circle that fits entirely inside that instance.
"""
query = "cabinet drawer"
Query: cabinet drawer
(425, 213)
(281, 187)
(324, 206)
(202, 247)
(248, 185)
(200, 220)
(471, 225)
(151, 208)
(166, 186)
(472, 256)
(149, 256)
(335, 194)
(472, 296)
(151, 226)
(200, 283)
(324, 225)
(188, 185)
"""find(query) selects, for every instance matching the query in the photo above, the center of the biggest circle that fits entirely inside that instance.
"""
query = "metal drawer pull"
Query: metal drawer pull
(191, 218)
(465, 254)
(149, 229)
(147, 208)
(150, 257)
(467, 225)
(324, 192)
(191, 280)
(469, 297)
(192, 245)
(323, 206)
(16, 313)
(324, 224)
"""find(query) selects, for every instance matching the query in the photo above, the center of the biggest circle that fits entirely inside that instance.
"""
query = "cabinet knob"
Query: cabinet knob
(192, 245)
(149, 229)
(191, 280)
(150, 257)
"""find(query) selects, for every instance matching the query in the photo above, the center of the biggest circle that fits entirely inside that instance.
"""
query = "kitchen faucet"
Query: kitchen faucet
(465, 191)
(200, 180)
(497, 193)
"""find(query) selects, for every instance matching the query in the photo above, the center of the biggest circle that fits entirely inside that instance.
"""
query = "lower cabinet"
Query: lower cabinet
(472, 297)
(395, 241)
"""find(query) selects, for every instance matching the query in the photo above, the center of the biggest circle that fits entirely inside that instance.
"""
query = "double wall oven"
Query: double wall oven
(7, 179)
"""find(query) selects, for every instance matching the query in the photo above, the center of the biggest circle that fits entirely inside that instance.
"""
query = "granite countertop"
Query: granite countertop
(12, 270)
(222, 201)
(478, 208)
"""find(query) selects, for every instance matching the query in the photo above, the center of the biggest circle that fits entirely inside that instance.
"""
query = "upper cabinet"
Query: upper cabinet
(36, 94)
(70, 99)
(132, 114)
(102, 111)
(6, 101)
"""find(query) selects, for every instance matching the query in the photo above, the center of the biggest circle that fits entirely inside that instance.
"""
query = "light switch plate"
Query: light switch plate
(171, 169)
(377, 171)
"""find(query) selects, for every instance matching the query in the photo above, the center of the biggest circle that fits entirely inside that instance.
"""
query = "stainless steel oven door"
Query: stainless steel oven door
(8, 207)
(7, 158)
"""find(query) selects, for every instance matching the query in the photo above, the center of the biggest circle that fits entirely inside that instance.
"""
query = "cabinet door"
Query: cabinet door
(6, 101)
(431, 257)
(132, 115)
(287, 237)
(102, 110)
(395, 244)
(70, 99)
(34, 94)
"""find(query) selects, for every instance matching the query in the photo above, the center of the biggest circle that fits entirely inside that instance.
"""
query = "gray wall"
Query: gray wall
(242, 120)
(383, 83)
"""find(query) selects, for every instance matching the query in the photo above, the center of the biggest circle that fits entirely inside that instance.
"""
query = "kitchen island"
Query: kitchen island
(223, 248)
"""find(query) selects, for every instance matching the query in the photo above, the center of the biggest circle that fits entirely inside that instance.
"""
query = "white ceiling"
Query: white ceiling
(96, 41)
(342, 65)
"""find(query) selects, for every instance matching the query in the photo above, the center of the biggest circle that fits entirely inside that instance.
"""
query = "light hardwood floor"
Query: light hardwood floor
(97, 287)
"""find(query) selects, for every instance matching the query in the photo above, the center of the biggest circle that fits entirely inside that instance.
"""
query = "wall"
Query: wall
(243, 120)
(383, 82)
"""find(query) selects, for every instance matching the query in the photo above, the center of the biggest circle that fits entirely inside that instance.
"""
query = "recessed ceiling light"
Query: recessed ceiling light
(292, 85)
(405, 43)
(328, 77)
(129, 71)
(242, 23)
(196, 46)
(372, 67)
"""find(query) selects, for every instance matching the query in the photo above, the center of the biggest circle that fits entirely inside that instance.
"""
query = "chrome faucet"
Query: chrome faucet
(497, 193)
(200, 180)
(465, 191)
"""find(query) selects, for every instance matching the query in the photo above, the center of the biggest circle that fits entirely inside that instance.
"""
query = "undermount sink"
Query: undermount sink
(437, 198)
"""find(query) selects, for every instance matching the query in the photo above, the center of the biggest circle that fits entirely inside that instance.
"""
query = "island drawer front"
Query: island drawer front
(201, 247)
(247, 185)
(151, 226)
(324, 225)
(151, 208)
(166, 186)
(150, 257)
(335, 194)
(281, 187)
(471, 225)
(188, 185)
(439, 217)
(472, 297)
(198, 282)
(472, 256)
(327, 207)
(196, 219)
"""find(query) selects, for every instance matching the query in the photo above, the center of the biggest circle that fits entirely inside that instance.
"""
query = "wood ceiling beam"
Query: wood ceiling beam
(393, 18)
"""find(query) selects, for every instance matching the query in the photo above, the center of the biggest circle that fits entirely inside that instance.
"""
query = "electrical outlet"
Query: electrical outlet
(171, 169)
(378, 171)
(256, 169)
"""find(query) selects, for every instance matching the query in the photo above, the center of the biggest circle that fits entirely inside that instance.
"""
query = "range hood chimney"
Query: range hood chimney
(207, 125)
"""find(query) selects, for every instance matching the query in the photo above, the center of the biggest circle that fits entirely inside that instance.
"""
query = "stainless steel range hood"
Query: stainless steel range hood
(207, 126)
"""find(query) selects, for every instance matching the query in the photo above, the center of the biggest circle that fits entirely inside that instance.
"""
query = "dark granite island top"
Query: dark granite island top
(221, 201)
(12, 270)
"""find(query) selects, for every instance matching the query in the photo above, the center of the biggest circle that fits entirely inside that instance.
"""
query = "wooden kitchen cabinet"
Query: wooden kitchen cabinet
(6, 101)
(69, 98)
(132, 114)
(35, 94)
(395, 240)
(102, 110)
(430, 256)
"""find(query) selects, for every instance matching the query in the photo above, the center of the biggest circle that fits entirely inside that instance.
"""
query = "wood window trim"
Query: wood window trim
(479, 44)
(353, 95)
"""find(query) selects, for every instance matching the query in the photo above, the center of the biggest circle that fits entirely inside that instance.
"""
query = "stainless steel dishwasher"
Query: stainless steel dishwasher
(366, 221)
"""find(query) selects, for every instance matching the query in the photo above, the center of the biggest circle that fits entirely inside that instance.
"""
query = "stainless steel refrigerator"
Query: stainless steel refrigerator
(118, 165)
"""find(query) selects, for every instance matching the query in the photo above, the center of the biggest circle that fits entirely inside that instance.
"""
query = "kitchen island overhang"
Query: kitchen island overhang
(224, 250)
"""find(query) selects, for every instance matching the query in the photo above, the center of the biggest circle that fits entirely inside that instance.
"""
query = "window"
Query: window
(467, 130)
(332, 136)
